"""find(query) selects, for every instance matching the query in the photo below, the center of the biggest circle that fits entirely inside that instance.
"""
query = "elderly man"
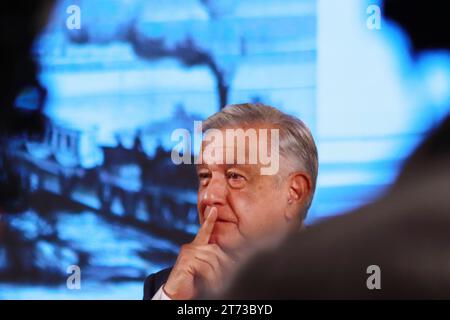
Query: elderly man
(240, 204)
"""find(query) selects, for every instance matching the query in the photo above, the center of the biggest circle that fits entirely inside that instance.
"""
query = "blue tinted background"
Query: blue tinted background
(105, 195)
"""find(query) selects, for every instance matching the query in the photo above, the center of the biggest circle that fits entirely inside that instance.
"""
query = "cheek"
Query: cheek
(240, 204)
(260, 214)
(251, 212)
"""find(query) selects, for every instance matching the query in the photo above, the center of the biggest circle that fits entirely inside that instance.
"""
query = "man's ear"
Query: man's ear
(299, 192)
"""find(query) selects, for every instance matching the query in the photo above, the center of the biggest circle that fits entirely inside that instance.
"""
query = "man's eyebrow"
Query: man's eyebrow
(244, 167)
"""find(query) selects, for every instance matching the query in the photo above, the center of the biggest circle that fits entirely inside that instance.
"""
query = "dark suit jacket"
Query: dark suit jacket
(154, 281)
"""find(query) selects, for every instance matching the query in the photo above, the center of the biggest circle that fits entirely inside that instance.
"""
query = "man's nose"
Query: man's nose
(215, 193)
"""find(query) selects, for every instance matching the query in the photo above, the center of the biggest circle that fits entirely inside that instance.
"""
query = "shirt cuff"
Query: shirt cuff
(161, 295)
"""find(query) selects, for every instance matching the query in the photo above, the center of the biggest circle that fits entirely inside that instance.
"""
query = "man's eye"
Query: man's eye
(203, 175)
(235, 176)
(203, 178)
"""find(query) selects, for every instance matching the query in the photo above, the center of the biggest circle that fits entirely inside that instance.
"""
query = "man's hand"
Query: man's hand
(198, 264)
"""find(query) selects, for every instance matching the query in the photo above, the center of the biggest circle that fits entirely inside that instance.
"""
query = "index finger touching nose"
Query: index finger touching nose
(206, 229)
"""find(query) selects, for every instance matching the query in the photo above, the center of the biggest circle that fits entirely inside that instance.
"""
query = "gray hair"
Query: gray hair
(297, 145)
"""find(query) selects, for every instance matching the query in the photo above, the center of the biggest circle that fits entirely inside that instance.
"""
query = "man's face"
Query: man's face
(250, 205)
